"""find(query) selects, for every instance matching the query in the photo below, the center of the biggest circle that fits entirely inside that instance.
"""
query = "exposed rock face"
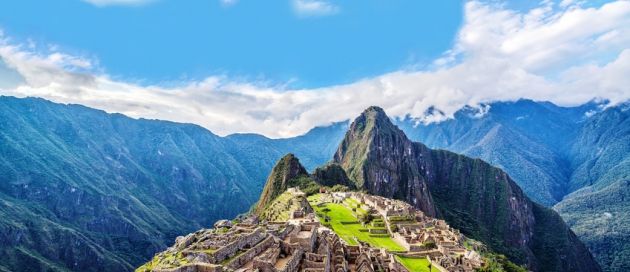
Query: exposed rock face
(378, 157)
(470, 194)
(285, 171)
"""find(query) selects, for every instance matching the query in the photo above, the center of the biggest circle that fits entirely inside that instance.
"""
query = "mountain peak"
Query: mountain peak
(374, 152)
(373, 113)
(282, 176)
(376, 109)
(371, 119)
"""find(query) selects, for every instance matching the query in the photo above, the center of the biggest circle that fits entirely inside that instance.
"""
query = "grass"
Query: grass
(279, 209)
(415, 264)
(339, 213)
(169, 260)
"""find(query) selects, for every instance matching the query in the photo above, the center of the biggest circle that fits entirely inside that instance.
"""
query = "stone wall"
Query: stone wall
(294, 262)
(193, 268)
(230, 249)
(307, 243)
(251, 253)
(398, 238)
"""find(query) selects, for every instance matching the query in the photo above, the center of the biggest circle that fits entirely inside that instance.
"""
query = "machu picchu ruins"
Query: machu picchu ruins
(301, 233)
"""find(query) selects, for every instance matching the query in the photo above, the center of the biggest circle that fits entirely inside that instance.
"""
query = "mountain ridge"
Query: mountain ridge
(255, 158)
(98, 187)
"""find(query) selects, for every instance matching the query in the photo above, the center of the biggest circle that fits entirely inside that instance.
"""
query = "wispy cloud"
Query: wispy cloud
(312, 8)
(567, 55)
(104, 3)
(227, 3)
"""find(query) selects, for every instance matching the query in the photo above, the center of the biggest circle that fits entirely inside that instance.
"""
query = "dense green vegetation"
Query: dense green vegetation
(332, 174)
(84, 190)
(601, 219)
(499, 263)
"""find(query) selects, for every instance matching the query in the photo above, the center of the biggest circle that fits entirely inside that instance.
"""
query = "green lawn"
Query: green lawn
(413, 264)
(339, 213)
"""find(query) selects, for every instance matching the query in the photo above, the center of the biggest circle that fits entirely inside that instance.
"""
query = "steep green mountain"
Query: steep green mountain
(287, 173)
(598, 210)
(332, 174)
(83, 190)
(473, 196)
(394, 170)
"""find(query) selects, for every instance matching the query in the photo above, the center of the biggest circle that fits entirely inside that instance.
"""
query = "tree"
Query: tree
(365, 217)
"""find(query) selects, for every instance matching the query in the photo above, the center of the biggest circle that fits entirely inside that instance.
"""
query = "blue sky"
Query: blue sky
(168, 40)
(281, 67)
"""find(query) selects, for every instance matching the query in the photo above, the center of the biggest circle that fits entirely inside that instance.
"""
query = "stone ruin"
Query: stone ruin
(289, 247)
(301, 244)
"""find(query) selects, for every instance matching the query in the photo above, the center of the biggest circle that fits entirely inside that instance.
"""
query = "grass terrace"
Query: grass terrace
(415, 264)
(346, 225)
(281, 208)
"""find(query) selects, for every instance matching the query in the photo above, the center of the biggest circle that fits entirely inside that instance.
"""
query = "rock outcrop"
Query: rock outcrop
(470, 194)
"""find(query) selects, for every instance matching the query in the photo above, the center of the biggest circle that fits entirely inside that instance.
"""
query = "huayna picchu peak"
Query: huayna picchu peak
(385, 203)
(379, 158)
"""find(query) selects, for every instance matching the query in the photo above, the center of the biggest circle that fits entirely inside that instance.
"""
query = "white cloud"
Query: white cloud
(227, 3)
(103, 3)
(310, 8)
(567, 55)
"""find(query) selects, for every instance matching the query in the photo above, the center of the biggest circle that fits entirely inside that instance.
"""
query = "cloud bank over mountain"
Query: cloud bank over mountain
(566, 53)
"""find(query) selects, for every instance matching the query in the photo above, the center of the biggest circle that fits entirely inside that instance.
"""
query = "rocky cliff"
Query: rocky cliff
(378, 157)
(470, 194)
